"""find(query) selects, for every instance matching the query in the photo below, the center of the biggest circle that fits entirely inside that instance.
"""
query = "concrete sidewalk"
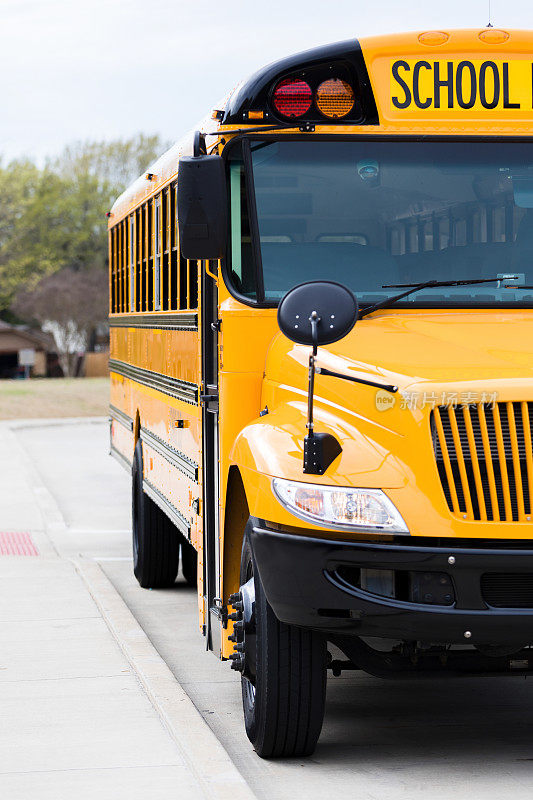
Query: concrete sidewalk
(75, 722)
(89, 708)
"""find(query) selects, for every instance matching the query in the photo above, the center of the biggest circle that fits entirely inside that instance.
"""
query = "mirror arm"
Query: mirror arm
(386, 386)
(310, 392)
(320, 449)
(314, 319)
(208, 272)
(198, 147)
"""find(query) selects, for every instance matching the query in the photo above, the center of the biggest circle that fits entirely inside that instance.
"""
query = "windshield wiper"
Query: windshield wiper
(415, 287)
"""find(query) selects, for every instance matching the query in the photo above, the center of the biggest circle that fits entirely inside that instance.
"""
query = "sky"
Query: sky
(74, 70)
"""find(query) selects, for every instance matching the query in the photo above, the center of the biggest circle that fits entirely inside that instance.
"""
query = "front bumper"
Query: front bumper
(298, 573)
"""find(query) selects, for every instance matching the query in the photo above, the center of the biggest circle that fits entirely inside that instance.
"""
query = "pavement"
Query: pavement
(382, 740)
(89, 708)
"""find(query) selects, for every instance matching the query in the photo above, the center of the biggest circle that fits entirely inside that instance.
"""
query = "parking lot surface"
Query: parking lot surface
(471, 738)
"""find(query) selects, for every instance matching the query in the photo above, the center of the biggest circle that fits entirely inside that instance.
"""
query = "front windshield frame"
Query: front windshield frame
(244, 141)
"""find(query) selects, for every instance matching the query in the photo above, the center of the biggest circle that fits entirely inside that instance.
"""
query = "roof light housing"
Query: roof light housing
(342, 61)
(433, 38)
(493, 36)
(327, 94)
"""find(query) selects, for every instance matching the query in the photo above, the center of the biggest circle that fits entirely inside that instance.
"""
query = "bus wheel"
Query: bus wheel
(156, 542)
(189, 562)
(283, 672)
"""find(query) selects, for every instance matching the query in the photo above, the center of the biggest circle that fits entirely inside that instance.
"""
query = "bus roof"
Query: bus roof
(457, 82)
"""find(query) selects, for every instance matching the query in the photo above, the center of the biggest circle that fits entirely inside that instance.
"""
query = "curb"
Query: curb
(51, 422)
(202, 752)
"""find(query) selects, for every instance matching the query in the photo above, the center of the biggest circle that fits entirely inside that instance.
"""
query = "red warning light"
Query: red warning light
(292, 97)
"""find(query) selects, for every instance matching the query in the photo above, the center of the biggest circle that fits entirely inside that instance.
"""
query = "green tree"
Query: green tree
(62, 226)
(53, 219)
(18, 184)
(114, 164)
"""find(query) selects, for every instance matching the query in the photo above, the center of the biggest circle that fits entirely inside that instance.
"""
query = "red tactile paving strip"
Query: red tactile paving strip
(17, 544)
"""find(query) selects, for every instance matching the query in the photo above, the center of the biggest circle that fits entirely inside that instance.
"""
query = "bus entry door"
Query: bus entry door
(210, 505)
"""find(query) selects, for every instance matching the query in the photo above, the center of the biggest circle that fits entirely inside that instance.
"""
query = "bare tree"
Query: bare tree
(69, 304)
(114, 163)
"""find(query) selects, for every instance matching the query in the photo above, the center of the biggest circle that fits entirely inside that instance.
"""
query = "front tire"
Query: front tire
(156, 542)
(284, 702)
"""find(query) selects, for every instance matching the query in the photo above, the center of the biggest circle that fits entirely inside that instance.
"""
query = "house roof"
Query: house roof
(28, 337)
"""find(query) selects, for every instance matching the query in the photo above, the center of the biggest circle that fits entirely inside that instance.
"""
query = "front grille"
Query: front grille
(485, 459)
(503, 590)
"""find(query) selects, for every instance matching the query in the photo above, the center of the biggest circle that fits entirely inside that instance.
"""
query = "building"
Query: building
(17, 338)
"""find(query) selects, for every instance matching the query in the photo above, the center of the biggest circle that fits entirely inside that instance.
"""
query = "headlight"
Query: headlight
(339, 507)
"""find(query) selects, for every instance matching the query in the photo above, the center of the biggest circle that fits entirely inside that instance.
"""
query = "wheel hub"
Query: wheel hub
(243, 658)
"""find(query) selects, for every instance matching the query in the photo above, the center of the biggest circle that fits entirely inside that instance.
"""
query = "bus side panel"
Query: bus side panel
(171, 353)
(178, 488)
(122, 436)
(169, 426)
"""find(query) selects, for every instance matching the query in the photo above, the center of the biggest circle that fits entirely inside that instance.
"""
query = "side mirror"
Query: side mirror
(334, 306)
(202, 207)
(320, 312)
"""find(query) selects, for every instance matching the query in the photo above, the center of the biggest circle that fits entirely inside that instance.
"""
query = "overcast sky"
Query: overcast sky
(102, 69)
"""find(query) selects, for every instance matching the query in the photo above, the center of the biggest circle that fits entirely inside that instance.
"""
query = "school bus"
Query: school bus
(321, 314)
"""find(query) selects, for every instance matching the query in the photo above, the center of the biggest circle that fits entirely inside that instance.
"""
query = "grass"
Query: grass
(54, 397)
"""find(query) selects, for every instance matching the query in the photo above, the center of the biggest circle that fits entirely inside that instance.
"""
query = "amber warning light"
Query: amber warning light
(335, 98)
(293, 97)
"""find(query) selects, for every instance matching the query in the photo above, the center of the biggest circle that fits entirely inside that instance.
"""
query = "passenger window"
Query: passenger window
(157, 255)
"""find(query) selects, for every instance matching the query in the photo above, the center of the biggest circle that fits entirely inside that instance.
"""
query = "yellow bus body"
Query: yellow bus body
(427, 352)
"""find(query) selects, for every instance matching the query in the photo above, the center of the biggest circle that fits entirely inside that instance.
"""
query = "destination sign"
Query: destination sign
(471, 86)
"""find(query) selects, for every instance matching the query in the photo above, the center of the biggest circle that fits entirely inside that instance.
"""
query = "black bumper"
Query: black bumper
(298, 573)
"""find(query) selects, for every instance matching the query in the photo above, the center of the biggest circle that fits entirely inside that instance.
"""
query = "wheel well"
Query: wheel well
(235, 520)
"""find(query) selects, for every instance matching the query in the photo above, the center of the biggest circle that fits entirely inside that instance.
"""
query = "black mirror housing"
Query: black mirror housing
(202, 207)
(336, 312)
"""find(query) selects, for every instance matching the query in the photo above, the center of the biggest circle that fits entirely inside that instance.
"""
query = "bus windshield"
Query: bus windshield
(371, 214)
